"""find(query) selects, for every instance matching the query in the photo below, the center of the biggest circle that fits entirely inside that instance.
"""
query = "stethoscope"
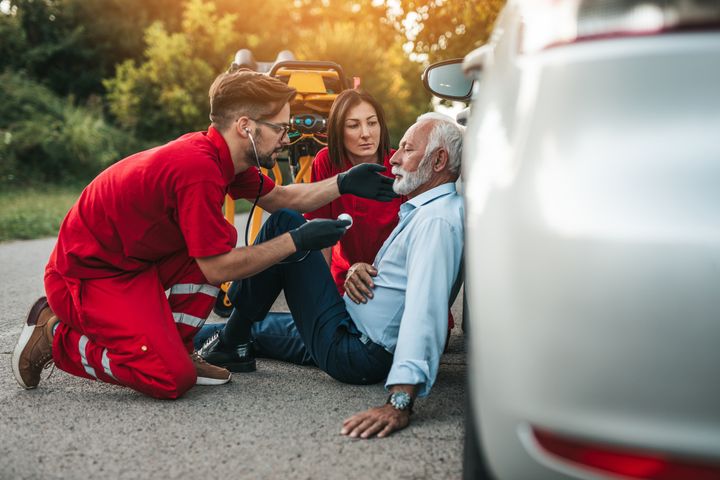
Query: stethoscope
(262, 183)
(257, 197)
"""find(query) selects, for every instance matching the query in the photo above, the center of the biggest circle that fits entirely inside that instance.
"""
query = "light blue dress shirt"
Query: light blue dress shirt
(417, 266)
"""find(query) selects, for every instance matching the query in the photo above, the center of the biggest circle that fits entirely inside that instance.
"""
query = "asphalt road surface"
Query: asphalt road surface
(282, 421)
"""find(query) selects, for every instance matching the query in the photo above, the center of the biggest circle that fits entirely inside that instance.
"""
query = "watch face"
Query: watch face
(400, 400)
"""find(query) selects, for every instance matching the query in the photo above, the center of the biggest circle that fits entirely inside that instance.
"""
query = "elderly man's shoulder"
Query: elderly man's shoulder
(447, 211)
(450, 206)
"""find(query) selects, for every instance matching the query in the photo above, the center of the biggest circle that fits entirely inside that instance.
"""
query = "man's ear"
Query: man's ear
(440, 160)
(242, 126)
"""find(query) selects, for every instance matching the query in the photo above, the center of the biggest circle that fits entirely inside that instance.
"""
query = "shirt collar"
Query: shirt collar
(425, 197)
(432, 194)
(226, 164)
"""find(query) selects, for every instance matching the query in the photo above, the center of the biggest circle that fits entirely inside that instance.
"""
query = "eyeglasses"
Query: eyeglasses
(278, 127)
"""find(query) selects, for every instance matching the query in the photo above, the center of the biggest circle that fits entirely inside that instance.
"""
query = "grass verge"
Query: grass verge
(36, 212)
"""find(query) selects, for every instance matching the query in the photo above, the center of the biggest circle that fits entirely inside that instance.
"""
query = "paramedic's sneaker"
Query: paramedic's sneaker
(236, 359)
(208, 374)
(33, 351)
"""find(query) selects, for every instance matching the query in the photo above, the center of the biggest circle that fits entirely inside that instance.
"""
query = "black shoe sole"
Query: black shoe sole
(235, 363)
(240, 367)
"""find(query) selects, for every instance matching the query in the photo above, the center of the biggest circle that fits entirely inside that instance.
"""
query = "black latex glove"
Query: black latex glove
(318, 234)
(365, 180)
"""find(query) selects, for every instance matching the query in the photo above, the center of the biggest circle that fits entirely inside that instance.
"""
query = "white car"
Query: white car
(592, 182)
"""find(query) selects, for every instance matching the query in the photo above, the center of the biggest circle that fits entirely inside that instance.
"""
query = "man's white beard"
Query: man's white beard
(411, 181)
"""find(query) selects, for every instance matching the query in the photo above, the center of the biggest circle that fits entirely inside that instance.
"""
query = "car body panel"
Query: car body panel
(592, 184)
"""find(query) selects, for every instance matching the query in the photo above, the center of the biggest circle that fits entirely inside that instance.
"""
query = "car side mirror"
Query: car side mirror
(446, 80)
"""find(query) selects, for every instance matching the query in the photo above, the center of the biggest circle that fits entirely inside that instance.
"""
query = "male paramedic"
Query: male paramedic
(392, 322)
(153, 223)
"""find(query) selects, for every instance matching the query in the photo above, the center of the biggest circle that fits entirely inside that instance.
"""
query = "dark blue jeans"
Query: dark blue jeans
(275, 337)
(329, 334)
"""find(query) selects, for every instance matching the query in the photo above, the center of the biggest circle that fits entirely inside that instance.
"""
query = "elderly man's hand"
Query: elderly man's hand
(380, 420)
(358, 282)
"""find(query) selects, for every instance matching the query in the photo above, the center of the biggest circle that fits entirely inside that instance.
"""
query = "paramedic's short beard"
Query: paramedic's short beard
(265, 160)
(411, 181)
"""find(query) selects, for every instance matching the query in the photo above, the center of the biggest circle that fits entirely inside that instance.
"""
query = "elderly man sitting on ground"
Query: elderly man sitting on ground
(392, 322)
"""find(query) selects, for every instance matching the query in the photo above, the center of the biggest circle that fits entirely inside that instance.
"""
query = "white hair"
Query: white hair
(446, 133)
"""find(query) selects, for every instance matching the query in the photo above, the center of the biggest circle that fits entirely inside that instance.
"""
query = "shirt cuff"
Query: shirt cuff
(411, 372)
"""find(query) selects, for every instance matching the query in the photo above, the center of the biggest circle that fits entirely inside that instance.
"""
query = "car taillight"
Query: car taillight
(624, 461)
(549, 23)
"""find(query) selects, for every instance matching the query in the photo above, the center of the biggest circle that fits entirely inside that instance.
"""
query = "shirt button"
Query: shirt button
(143, 348)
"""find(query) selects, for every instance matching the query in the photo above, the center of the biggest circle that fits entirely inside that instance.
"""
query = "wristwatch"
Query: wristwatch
(401, 401)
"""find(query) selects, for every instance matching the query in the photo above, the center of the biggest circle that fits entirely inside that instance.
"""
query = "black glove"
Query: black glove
(365, 180)
(318, 234)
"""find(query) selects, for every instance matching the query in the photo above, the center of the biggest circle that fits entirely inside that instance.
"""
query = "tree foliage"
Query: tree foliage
(150, 63)
(166, 93)
(71, 45)
(47, 138)
(41, 40)
(383, 70)
(443, 29)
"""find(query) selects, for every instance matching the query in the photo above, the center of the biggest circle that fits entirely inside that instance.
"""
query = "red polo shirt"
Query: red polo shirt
(372, 220)
(154, 204)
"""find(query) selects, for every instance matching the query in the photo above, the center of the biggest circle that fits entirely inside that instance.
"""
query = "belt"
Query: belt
(366, 341)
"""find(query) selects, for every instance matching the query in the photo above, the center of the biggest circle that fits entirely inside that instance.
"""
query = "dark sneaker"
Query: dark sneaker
(237, 359)
(33, 351)
(208, 374)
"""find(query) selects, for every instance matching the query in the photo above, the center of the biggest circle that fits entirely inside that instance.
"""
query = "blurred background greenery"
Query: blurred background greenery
(85, 83)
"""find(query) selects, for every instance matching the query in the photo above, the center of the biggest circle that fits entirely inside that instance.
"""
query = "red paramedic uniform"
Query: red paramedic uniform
(372, 220)
(134, 234)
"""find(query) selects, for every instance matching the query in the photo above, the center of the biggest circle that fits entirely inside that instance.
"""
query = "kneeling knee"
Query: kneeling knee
(285, 219)
(178, 380)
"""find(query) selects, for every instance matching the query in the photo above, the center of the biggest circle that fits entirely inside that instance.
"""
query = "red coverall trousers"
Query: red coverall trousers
(124, 330)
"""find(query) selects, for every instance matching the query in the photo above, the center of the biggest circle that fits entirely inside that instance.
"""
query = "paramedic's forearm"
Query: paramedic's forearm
(303, 197)
(245, 262)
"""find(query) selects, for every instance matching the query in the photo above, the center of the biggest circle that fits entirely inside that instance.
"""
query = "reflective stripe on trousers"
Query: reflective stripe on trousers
(106, 364)
(82, 348)
(187, 319)
(192, 288)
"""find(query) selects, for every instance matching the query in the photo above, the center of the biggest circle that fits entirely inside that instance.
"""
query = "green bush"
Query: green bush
(45, 138)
